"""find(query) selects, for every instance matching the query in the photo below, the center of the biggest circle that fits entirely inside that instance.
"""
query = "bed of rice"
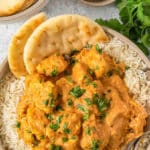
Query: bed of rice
(11, 89)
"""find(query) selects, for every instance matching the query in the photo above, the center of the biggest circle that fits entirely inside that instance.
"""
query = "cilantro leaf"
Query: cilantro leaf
(77, 91)
(134, 22)
(112, 23)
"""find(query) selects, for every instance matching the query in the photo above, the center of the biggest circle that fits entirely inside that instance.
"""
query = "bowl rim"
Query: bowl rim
(30, 11)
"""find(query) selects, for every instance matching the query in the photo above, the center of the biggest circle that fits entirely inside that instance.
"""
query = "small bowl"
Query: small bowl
(97, 2)
(24, 14)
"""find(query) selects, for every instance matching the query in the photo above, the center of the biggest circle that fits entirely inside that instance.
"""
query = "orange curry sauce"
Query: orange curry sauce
(78, 101)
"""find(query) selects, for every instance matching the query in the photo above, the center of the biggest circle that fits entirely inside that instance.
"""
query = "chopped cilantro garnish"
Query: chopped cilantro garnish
(87, 80)
(95, 145)
(51, 95)
(66, 129)
(91, 72)
(54, 126)
(88, 131)
(64, 139)
(49, 116)
(101, 102)
(102, 115)
(127, 68)
(86, 115)
(45, 102)
(93, 129)
(82, 108)
(134, 22)
(69, 79)
(77, 91)
(54, 72)
(51, 100)
(74, 137)
(94, 84)
(69, 102)
(55, 147)
(51, 104)
(42, 137)
(28, 131)
(88, 101)
(98, 49)
(40, 80)
(96, 67)
(58, 119)
(34, 141)
(18, 125)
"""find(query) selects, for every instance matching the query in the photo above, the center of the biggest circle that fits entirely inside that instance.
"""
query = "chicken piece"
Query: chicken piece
(65, 129)
(117, 118)
(42, 93)
(65, 124)
(52, 66)
(68, 143)
(137, 121)
(97, 62)
(24, 131)
(86, 100)
(118, 132)
(37, 121)
(95, 134)
(45, 97)
(79, 72)
(22, 107)
(64, 86)
(119, 84)
(117, 108)
(71, 123)
(31, 81)
(92, 87)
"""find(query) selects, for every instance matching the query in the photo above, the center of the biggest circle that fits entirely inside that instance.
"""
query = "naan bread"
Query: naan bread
(8, 7)
(16, 47)
(63, 34)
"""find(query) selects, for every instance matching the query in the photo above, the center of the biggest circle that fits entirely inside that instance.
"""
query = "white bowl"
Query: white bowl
(4, 67)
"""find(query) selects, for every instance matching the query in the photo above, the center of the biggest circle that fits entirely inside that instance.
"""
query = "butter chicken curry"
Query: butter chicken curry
(78, 101)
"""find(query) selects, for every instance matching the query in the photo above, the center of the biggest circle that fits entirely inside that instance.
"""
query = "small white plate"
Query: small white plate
(100, 3)
(33, 9)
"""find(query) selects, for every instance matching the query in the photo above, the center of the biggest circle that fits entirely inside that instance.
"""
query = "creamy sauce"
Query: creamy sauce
(79, 102)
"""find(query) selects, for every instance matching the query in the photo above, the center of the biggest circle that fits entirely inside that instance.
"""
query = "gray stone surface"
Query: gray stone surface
(56, 7)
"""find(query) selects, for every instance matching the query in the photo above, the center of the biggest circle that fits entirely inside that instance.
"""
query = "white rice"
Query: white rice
(135, 78)
(11, 89)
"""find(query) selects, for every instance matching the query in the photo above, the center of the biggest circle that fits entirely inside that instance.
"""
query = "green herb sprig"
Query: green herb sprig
(135, 22)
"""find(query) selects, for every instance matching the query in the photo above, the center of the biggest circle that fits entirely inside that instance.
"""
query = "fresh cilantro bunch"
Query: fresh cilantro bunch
(135, 22)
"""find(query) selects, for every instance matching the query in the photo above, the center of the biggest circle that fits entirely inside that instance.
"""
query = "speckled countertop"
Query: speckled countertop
(56, 7)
